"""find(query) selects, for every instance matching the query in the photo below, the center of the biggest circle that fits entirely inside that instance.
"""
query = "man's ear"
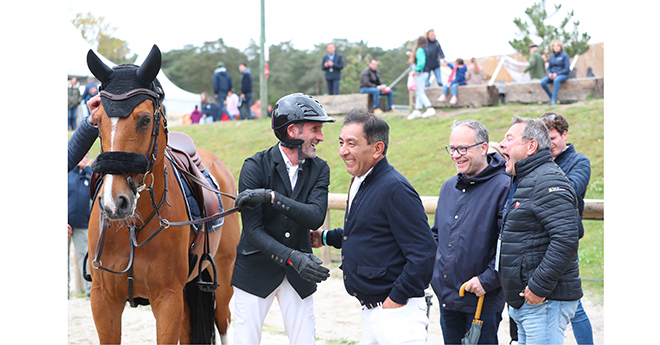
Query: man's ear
(292, 131)
(532, 147)
(378, 149)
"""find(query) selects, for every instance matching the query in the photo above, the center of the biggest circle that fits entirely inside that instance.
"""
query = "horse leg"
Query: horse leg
(107, 316)
(168, 308)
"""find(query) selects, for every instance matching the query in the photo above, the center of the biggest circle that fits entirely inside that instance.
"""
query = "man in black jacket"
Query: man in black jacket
(246, 91)
(539, 241)
(283, 194)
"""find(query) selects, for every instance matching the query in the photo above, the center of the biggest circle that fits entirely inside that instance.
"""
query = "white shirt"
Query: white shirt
(290, 168)
(355, 186)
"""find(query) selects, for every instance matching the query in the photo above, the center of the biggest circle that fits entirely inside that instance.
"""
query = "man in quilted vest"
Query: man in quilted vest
(538, 263)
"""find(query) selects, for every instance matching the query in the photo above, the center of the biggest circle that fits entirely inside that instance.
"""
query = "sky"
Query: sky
(474, 29)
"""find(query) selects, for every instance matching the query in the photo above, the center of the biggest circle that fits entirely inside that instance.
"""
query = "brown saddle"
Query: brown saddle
(185, 156)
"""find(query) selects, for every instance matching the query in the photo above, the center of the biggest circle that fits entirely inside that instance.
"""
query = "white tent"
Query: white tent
(177, 100)
(76, 55)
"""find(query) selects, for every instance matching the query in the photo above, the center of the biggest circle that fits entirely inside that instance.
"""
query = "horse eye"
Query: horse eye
(145, 121)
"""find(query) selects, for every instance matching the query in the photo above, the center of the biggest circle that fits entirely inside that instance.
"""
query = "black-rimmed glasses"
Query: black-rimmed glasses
(462, 150)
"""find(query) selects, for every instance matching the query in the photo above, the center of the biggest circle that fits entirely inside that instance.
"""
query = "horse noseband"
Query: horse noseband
(118, 163)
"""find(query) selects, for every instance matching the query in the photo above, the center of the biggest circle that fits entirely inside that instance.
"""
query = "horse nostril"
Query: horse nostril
(123, 204)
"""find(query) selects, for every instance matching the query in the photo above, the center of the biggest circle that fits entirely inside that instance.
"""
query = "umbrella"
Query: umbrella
(472, 336)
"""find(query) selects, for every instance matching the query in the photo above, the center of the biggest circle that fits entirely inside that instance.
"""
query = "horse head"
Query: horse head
(130, 123)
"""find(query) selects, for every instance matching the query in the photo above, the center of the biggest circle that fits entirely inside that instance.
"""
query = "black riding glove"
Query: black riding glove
(252, 197)
(308, 267)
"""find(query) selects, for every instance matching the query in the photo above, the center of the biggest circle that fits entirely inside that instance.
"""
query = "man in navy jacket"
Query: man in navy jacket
(332, 64)
(246, 91)
(387, 245)
(221, 86)
(467, 223)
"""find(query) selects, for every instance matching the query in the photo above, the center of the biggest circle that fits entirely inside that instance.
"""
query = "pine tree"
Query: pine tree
(574, 42)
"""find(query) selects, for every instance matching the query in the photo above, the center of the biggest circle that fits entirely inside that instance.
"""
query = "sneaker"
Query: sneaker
(391, 111)
(415, 114)
(453, 99)
(551, 103)
(442, 98)
(428, 112)
(378, 111)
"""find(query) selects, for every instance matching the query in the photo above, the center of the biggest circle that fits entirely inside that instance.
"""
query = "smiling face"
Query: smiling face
(474, 161)
(358, 155)
(311, 134)
(514, 148)
(558, 142)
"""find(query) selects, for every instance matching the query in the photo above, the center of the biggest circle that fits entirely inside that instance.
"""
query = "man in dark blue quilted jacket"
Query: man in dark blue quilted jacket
(538, 263)
(577, 168)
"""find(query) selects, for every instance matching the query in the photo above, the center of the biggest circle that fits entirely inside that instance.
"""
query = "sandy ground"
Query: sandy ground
(337, 314)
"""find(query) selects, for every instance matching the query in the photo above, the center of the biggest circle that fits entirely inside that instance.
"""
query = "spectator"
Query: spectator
(475, 73)
(195, 115)
(274, 255)
(467, 223)
(80, 207)
(207, 110)
(538, 263)
(221, 86)
(559, 67)
(91, 89)
(232, 105)
(74, 102)
(421, 100)
(246, 91)
(434, 54)
(84, 136)
(590, 73)
(386, 244)
(370, 83)
(536, 66)
(332, 64)
(577, 169)
(458, 74)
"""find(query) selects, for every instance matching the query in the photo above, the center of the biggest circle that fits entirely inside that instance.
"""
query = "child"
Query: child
(458, 75)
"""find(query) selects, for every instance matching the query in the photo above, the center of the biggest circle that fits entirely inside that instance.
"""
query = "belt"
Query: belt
(373, 305)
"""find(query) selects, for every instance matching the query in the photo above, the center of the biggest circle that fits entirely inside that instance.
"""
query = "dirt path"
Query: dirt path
(338, 321)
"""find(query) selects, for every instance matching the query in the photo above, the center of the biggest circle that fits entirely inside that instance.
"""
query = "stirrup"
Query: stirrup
(206, 286)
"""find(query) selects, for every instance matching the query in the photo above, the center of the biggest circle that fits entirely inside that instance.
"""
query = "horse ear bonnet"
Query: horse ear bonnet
(124, 78)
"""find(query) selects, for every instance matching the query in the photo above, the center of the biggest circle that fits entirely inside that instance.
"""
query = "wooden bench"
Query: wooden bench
(342, 104)
(468, 95)
(572, 90)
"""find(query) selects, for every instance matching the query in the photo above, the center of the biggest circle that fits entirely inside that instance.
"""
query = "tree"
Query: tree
(98, 34)
(574, 42)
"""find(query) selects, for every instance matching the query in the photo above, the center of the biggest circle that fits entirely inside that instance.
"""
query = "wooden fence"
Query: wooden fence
(593, 209)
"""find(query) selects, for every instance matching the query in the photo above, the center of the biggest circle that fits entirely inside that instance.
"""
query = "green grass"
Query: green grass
(417, 151)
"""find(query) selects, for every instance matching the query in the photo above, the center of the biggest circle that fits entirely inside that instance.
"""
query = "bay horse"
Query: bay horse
(140, 234)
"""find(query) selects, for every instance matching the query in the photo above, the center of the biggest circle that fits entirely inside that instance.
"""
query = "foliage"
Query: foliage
(574, 42)
(98, 34)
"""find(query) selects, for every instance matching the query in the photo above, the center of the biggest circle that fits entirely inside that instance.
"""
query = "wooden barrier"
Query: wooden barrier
(341, 104)
(572, 90)
(468, 95)
(593, 209)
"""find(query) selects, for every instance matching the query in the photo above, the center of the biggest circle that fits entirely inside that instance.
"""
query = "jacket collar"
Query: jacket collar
(495, 166)
(527, 165)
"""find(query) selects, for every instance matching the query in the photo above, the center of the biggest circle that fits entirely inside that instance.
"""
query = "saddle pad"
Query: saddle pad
(191, 203)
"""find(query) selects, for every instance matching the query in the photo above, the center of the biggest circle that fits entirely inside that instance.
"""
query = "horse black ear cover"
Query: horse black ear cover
(149, 69)
(100, 70)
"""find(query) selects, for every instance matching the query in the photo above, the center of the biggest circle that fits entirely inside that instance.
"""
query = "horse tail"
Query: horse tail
(202, 320)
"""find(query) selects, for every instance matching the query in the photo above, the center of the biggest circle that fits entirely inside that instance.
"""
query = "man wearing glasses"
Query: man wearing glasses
(467, 223)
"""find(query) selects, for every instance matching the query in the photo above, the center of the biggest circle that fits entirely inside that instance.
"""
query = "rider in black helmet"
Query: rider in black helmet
(279, 203)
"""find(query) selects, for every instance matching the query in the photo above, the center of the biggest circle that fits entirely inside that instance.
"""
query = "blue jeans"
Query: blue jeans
(543, 323)
(455, 324)
(453, 86)
(222, 96)
(72, 118)
(437, 77)
(376, 93)
(555, 86)
(247, 102)
(582, 326)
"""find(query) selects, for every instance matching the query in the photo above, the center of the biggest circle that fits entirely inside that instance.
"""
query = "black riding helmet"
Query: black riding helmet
(296, 108)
